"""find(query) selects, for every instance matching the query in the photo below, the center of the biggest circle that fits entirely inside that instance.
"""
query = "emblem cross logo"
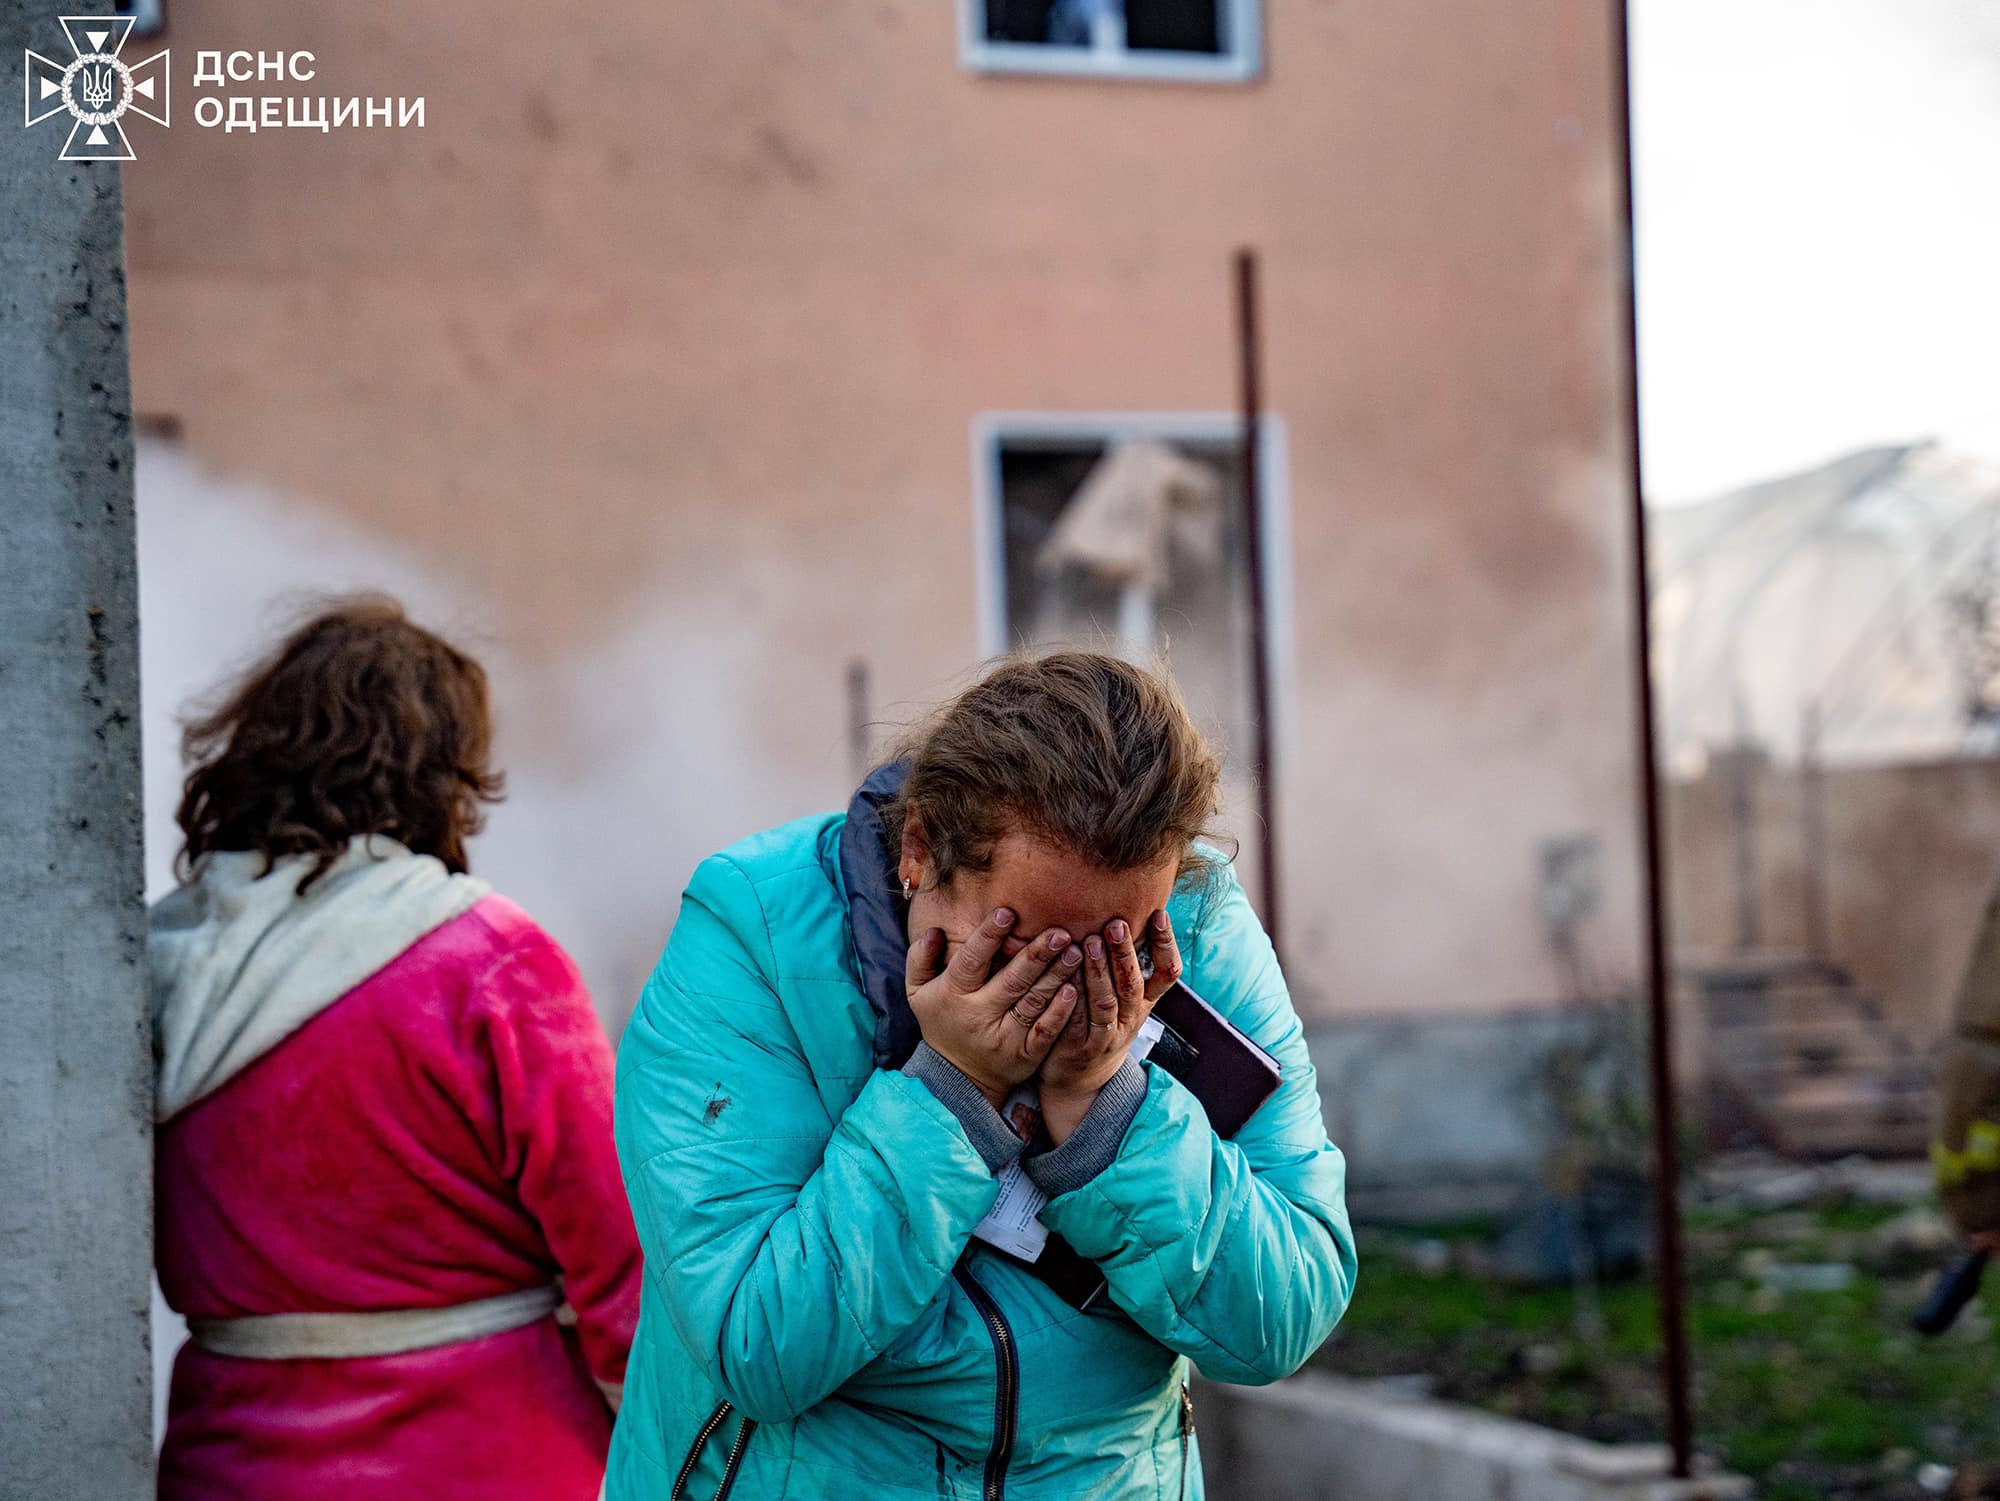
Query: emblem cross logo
(97, 88)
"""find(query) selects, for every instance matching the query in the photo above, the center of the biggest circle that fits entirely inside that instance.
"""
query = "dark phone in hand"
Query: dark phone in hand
(1224, 1069)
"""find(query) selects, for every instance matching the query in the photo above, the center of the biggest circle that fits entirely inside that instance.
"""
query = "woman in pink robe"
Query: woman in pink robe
(384, 1152)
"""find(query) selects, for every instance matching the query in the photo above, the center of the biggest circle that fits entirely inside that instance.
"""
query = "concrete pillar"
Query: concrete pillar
(75, 1053)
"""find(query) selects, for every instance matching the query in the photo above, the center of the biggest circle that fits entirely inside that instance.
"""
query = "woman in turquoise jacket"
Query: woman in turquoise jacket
(809, 1118)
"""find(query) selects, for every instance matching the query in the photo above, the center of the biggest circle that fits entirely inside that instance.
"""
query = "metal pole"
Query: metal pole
(1812, 816)
(857, 719)
(1253, 551)
(1742, 829)
(1666, 1144)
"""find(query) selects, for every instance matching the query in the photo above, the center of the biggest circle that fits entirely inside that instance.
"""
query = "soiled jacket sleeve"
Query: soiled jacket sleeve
(546, 1054)
(1966, 1150)
(790, 1240)
(1237, 1254)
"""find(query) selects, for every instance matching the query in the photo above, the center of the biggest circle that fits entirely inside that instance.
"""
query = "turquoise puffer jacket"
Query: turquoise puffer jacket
(816, 1321)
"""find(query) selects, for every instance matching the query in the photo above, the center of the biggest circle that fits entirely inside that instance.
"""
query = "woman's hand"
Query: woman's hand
(994, 1029)
(1120, 998)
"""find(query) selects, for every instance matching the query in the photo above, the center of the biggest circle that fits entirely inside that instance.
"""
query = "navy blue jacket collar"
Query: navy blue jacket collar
(878, 915)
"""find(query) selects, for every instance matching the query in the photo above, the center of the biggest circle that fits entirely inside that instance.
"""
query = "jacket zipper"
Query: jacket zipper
(1006, 1389)
(735, 1459)
(701, 1438)
(1187, 1433)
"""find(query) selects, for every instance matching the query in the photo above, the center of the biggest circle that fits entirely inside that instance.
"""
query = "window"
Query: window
(1125, 534)
(149, 17)
(1214, 40)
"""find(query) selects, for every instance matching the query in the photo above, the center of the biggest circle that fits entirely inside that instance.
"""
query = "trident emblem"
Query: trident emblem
(97, 88)
(96, 79)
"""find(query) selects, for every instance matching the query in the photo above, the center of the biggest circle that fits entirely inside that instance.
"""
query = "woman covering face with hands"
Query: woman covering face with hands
(810, 1118)
(1062, 1011)
(1120, 992)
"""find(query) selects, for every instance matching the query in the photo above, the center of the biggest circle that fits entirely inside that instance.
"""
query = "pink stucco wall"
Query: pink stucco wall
(659, 346)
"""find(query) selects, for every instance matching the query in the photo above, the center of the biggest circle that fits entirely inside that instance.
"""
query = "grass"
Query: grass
(1820, 1395)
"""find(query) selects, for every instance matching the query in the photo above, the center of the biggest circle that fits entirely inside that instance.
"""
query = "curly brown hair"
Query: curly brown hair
(360, 722)
(1094, 755)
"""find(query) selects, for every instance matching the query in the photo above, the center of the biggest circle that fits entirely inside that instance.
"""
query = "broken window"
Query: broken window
(1130, 539)
(1176, 38)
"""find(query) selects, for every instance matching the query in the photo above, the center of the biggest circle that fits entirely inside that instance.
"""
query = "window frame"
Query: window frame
(1242, 22)
(993, 431)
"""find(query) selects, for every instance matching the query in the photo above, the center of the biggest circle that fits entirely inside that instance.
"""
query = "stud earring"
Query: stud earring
(906, 888)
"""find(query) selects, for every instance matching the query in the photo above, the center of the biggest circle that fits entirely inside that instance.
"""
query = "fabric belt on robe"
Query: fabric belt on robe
(394, 1331)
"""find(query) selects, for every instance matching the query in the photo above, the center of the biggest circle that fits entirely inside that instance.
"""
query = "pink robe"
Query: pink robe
(440, 1134)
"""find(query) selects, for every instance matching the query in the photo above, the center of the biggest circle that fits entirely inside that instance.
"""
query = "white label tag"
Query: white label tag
(1013, 1223)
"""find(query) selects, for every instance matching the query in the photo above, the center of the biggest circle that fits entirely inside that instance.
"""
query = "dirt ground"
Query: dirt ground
(1807, 1376)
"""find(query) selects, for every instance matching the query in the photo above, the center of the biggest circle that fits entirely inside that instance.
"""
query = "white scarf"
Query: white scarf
(240, 961)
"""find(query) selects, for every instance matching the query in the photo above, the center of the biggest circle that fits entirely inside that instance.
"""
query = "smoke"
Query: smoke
(627, 761)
